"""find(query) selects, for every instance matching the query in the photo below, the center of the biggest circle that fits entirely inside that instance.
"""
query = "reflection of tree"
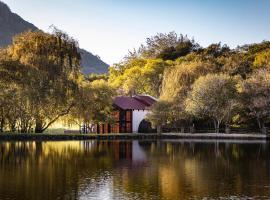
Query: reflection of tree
(185, 168)
(54, 169)
(174, 170)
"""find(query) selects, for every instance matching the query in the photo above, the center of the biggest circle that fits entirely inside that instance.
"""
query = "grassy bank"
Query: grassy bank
(63, 137)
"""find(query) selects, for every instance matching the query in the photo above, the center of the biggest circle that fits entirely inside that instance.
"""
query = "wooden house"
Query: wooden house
(128, 113)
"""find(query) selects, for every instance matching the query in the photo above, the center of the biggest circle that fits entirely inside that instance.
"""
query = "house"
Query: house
(129, 112)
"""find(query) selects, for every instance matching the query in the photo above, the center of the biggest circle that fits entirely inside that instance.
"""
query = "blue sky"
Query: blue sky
(109, 28)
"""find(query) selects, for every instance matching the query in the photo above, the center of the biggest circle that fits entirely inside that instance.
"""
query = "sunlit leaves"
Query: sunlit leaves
(213, 96)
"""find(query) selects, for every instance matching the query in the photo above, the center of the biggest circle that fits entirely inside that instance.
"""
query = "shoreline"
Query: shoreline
(134, 136)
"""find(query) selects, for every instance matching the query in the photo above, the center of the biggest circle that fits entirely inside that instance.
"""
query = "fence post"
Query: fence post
(192, 129)
(182, 129)
(227, 129)
(265, 130)
(159, 130)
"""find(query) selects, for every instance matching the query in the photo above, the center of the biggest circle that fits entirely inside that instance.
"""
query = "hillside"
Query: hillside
(92, 64)
(12, 24)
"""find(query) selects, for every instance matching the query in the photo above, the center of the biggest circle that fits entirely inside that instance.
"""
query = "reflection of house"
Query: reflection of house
(123, 150)
(128, 113)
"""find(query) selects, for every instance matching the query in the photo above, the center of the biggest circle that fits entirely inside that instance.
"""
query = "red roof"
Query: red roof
(138, 102)
(148, 100)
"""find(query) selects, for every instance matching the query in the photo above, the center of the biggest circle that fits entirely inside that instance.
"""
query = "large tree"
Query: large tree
(159, 115)
(255, 93)
(213, 96)
(53, 64)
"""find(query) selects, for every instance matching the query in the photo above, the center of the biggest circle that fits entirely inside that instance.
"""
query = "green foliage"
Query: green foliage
(93, 77)
(175, 69)
(159, 113)
(253, 49)
(178, 79)
(93, 103)
(144, 77)
(213, 96)
(255, 93)
(168, 46)
(42, 82)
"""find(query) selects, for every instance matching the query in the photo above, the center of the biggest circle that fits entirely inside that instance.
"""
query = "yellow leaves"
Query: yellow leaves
(99, 83)
(262, 59)
(140, 75)
(239, 87)
(178, 79)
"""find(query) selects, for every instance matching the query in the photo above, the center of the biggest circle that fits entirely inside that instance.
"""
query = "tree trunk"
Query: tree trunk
(264, 129)
(2, 124)
(84, 129)
(259, 123)
(227, 129)
(13, 127)
(159, 129)
(216, 124)
(39, 126)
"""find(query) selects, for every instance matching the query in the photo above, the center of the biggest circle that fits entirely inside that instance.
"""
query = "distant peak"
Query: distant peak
(4, 7)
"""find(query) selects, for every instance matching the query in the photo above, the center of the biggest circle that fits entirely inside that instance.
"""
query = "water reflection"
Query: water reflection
(134, 170)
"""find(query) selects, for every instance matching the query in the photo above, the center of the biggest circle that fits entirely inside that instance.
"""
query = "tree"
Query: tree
(55, 60)
(145, 76)
(213, 96)
(133, 81)
(255, 95)
(153, 75)
(93, 103)
(15, 112)
(214, 51)
(178, 79)
(159, 114)
(236, 64)
(168, 46)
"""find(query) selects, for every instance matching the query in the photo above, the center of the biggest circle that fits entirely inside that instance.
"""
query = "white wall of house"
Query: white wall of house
(137, 117)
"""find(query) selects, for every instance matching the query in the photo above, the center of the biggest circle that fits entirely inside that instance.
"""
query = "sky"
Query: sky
(110, 28)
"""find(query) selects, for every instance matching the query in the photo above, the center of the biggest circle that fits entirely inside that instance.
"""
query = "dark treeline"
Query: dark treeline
(213, 87)
(41, 82)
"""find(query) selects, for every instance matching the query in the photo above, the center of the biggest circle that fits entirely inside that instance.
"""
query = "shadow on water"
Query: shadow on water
(134, 170)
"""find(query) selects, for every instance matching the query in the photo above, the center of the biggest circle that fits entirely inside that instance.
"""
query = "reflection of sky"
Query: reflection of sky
(100, 188)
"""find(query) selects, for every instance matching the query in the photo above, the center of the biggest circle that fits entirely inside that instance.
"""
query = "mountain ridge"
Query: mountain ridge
(12, 24)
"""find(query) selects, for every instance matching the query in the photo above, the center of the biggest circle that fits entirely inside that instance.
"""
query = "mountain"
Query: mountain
(92, 64)
(12, 24)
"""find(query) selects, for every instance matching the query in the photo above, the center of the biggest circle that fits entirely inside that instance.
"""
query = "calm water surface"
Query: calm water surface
(134, 170)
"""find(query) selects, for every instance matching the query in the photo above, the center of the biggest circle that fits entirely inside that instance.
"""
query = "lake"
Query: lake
(179, 169)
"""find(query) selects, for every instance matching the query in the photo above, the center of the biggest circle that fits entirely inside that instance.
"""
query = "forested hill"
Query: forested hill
(12, 24)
